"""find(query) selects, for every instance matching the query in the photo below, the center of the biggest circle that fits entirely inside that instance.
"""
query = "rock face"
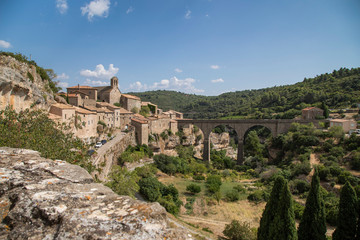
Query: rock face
(21, 86)
(46, 199)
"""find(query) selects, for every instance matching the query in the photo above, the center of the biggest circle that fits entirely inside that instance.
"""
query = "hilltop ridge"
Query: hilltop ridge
(339, 89)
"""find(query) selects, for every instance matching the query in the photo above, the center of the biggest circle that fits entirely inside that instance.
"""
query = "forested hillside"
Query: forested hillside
(338, 89)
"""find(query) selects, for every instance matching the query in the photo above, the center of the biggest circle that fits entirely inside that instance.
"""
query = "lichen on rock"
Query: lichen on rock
(45, 199)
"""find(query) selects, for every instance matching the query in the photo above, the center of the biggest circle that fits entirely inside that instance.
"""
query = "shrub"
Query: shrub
(151, 188)
(193, 188)
(239, 231)
(123, 182)
(213, 183)
(298, 210)
(232, 195)
(199, 177)
(301, 168)
(239, 188)
(299, 186)
(171, 165)
(167, 196)
(257, 196)
(146, 171)
(30, 76)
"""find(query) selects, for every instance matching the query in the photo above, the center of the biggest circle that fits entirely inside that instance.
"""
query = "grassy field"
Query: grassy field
(207, 213)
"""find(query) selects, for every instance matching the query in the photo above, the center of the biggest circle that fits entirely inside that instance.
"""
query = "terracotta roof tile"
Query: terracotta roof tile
(130, 96)
(62, 106)
(81, 87)
(139, 121)
(83, 111)
(124, 111)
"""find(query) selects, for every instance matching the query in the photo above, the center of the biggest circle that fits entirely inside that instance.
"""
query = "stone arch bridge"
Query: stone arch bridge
(241, 126)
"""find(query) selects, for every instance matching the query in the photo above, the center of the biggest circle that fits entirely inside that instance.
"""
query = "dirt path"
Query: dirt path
(313, 161)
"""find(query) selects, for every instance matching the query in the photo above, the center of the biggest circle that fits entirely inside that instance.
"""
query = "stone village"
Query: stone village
(91, 108)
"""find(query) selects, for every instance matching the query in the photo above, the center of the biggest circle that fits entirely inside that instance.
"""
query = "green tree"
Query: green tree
(253, 146)
(347, 217)
(123, 182)
(312, 225)
(278, 219)
(326, 109)
(239, 231)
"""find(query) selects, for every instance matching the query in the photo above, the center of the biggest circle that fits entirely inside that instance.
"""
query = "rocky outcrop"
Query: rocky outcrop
(22, 87)
(46, 199)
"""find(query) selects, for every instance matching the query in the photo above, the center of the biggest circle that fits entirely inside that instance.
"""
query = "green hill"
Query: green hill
(339, 89)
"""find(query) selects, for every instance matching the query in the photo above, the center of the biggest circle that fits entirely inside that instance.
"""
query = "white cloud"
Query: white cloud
(178, 70)
(100, 72)
(95, 83)
(219, 80)
(215, 66)
(98, 8)
(62, 6)
(63, 84)
(130, 10)
(162, 84)
(4, 44)
(184, 85)
(187, 14)
(138, 86)
(62, 76)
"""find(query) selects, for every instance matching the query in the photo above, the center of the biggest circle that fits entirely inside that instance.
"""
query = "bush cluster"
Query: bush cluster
(167, 196)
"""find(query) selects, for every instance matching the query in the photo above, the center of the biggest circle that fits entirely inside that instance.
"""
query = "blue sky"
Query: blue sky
(204, 47)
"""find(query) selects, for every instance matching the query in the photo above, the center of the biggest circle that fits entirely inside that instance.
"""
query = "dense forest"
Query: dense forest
(339, 89)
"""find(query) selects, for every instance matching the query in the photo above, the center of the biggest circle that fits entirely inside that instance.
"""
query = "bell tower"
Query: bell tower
(114, 82)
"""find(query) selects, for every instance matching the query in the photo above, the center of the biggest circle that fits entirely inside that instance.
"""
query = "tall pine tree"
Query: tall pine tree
(347, 218)
(312, 225)
(278, 219)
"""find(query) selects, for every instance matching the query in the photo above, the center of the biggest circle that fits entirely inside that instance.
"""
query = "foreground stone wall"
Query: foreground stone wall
(108, 154)
(46, 199)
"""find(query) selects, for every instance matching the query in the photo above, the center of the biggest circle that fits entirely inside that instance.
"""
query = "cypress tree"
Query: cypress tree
(347, 218)
(278, 219)
(313, 222)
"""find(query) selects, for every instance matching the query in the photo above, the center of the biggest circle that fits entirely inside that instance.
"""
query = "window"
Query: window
(89, 122)
(65, 116)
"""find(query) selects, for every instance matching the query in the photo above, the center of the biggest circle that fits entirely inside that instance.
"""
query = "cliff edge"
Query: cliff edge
(45, 199)
(22, 87)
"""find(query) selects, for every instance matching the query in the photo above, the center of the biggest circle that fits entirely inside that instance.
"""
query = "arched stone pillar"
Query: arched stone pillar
(206, 150)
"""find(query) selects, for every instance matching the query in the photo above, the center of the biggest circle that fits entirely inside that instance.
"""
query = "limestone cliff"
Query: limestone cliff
(21, 86)
(46, 199)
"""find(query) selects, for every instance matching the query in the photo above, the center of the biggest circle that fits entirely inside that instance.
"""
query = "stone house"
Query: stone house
(88, 91)
(348, 125)
(86, 124)
(82, 122)
(174, 114)
(153, 107)
(130, 102)
(65, 112)
(311, 113)
(115, 113)
(125, 118)
(141, 130)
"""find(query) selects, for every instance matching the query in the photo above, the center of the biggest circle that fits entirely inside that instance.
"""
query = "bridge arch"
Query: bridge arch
(276, 126)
